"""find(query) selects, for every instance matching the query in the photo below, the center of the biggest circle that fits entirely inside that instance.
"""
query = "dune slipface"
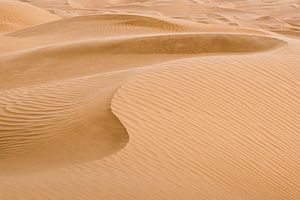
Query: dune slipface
(149, 100)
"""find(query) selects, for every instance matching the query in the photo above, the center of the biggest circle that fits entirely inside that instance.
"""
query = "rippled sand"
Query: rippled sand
(150, 100)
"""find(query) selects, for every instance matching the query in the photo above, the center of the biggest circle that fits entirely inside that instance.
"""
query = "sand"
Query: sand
(17, 15)
(150, 100)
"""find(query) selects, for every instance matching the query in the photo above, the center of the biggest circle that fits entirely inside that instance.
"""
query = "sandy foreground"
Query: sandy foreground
(150, 100)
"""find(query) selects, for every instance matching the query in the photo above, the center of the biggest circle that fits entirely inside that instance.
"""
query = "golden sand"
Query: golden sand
(138, 100)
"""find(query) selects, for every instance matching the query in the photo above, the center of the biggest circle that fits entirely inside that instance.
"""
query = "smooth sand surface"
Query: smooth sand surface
(135, 100)
(16, 15)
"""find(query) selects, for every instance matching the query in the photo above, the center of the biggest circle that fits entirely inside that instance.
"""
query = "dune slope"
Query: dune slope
(131, 52)
(122, 105)
(36, 121)
(16, 15)
(214, 128)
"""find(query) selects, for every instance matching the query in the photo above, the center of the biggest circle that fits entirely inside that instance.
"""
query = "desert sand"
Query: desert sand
(138, 100)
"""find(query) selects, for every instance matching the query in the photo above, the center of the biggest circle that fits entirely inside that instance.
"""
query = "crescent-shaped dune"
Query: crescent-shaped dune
(31, 131)
(129, 106)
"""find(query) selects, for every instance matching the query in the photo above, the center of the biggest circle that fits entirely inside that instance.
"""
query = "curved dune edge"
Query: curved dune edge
(36, 121)
(177, 43)
(212, 128)
(131, 52)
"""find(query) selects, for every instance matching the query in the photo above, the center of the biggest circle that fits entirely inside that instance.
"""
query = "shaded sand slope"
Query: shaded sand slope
(37, 121)
(105, 25)
(15, 15)
(130, 52)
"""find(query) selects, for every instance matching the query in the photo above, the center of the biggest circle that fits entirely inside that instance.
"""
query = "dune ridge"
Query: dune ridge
(106, 25)
(130, 106)
(147, 44)
(29, 128)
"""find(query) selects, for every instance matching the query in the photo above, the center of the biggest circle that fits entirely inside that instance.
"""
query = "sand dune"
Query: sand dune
(149, 100)
(215, 121)
(31, 135)
(16, 15)
(106, 25)
(109, 24)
